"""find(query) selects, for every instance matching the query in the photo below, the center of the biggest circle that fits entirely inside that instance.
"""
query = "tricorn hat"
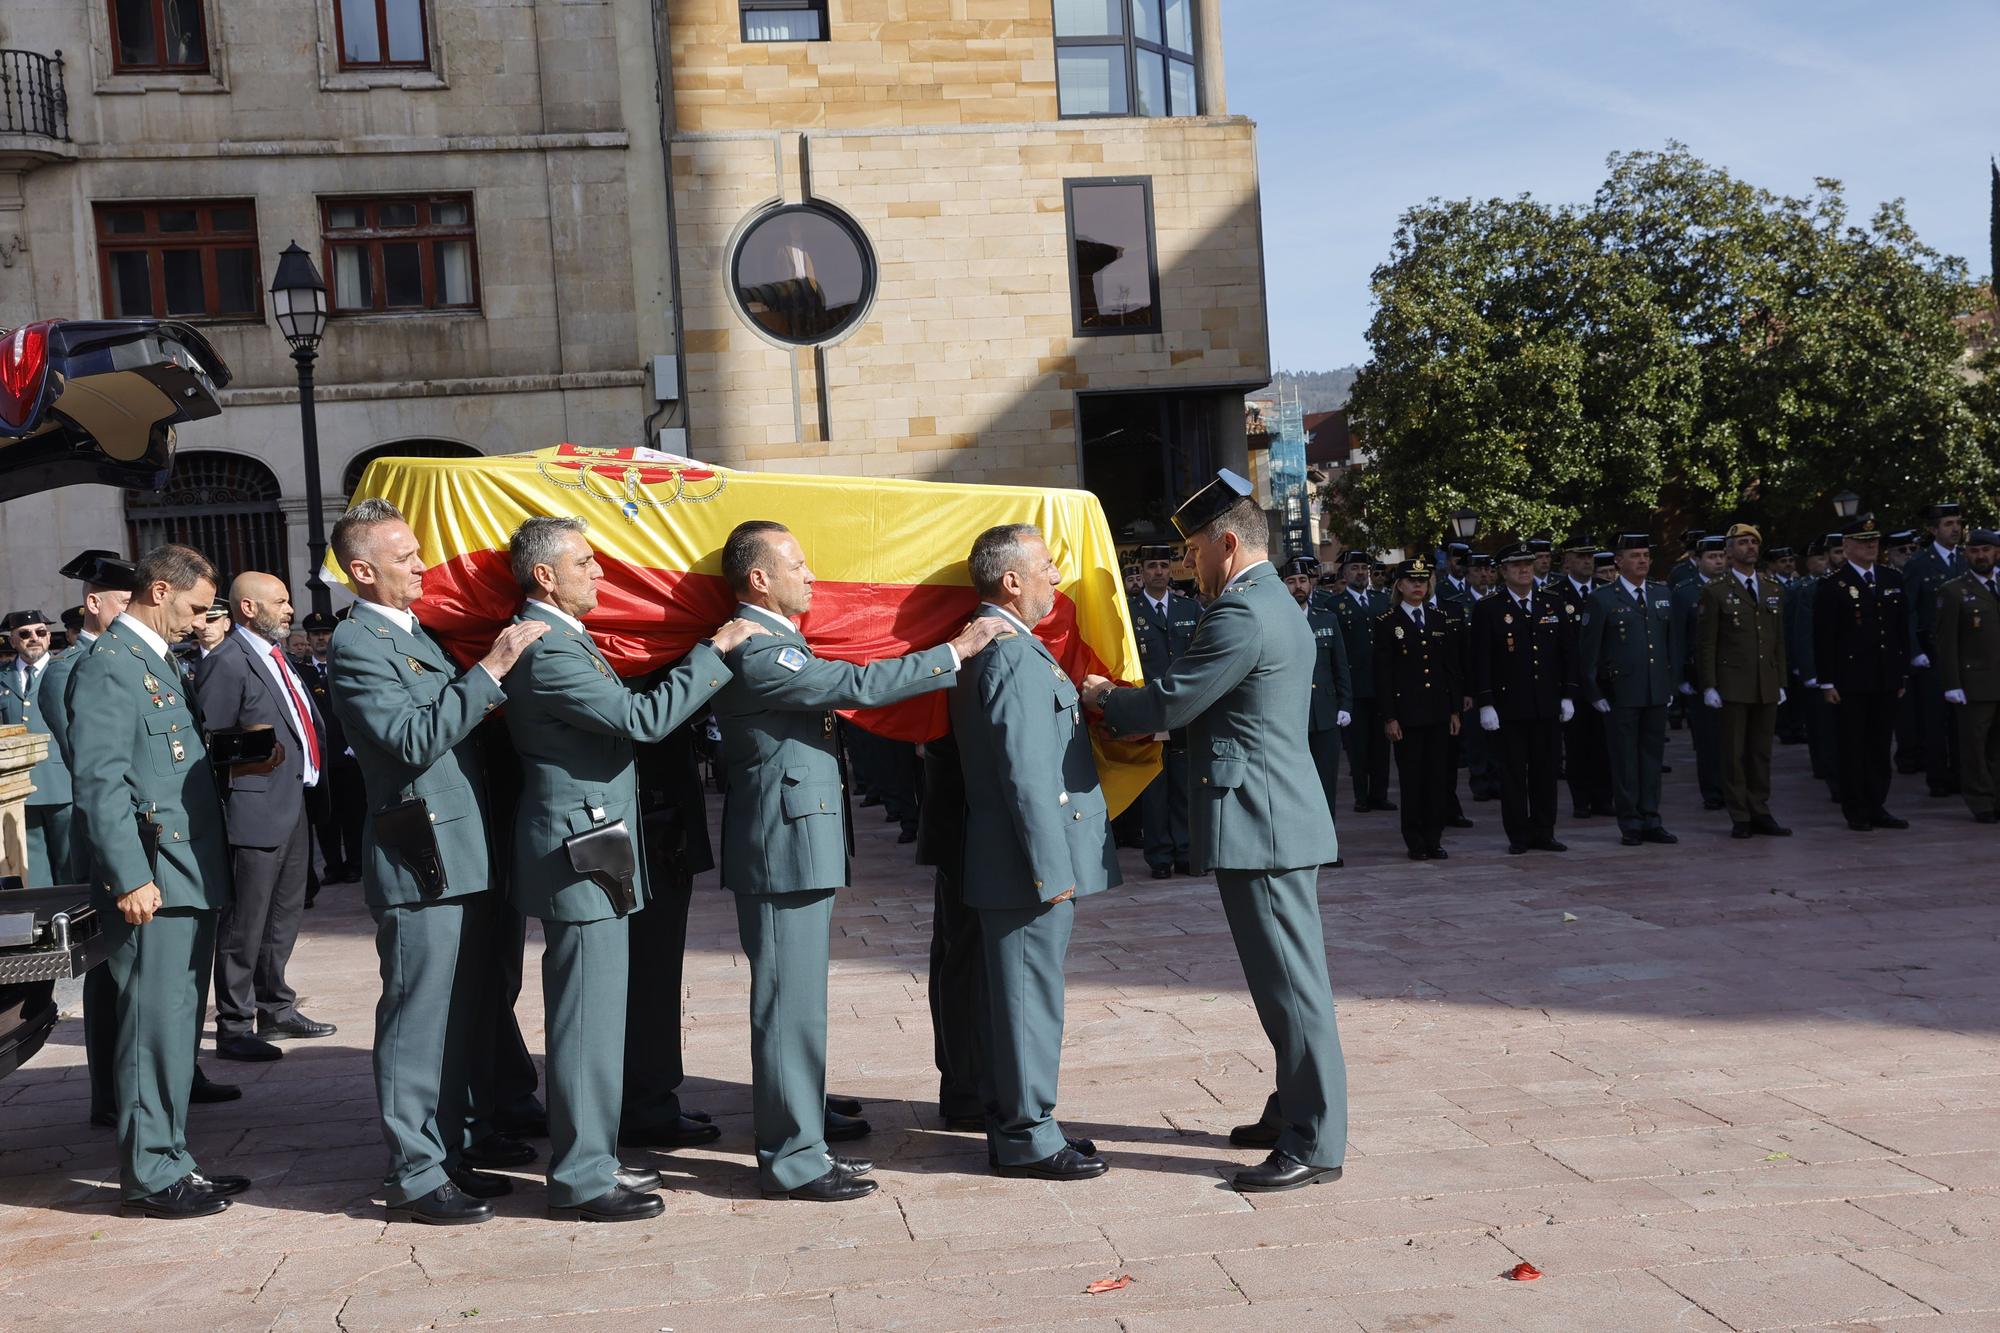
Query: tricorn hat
(1300, 564)
(102, 569)
(1639, 541)
(1211, 502)
(16, 619)
(1155, 552)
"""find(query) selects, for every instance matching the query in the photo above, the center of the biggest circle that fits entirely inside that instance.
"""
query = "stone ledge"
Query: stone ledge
(362, 147)
(446, 388)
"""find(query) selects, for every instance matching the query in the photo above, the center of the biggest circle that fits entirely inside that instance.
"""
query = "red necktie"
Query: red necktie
(299, 702)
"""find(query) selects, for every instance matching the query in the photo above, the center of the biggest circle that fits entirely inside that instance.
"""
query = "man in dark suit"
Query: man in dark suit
(1164, 622)
(248, 682)
(1861, 649)
(1521, 683)
(338, 825)
(1417, 657)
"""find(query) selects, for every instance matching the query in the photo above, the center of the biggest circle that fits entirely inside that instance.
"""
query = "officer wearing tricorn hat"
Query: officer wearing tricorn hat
(22, 701)
(1627, 651)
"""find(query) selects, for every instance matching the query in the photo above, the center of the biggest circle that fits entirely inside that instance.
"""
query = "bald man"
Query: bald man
(246, 682)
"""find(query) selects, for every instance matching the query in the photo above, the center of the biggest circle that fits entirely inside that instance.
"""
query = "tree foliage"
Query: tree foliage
(1687, 348)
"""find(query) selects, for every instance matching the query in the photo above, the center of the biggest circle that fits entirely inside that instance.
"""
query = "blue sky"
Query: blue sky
(1365, 107)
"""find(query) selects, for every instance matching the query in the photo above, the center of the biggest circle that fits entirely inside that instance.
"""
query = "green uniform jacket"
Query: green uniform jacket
(1629, 656)
(1040, 828)
(1243, 690)
(1967, 617)
(1923, 575)
(55, 702)
(1740, 640)
(138, 750)
(50, 775)
(784, 821)
(1357, 634)
(1332, 681)
(409, 717)
(573, 723)
(1799, 626)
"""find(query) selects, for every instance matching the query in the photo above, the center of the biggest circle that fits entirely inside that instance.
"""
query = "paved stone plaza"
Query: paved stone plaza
(1714, 1086)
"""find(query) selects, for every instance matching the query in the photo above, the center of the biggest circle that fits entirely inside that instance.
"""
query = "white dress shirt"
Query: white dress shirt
(291, 691)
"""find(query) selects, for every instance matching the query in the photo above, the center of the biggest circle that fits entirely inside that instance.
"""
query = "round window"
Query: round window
(803, 273)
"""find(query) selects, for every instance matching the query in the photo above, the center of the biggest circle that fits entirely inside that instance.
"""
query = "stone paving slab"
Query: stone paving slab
(1748, 1086)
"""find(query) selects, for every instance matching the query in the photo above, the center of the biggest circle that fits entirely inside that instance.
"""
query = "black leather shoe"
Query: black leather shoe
(296, 1025)
(1883, 819)
(1362, 807)
(104, 1119)
(906, 835)
(479, 1184)
(1741, 831)
(1578, 812)
(1280, 1171)
(1438, 854)
(638, 1179)
(833, 1187)
(183, 1198)
(844, 1105)
(222, 1187)
(445, 1206)
(1458, 821)
(1259, 1135)
(840, 1128)
(965, 1124)
(1659, 835)
(616, 1204)
(1381, 805)
(1337, 863)
(1769, 827)
(1629, 840)
(251, 1050)
(207, 1090)
(498, 1150)
(1547, 845)
(681, 1132)
(1163, 872)
(1085, 1147)
(1420, 856)
(853, 1166)
(1063, 1164)
(1517, 849)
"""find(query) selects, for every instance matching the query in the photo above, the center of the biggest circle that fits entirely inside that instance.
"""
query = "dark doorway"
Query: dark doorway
(1144, 453)
(223, 505)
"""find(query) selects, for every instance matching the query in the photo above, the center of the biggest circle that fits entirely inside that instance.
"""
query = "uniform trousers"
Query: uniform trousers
(256, 935)
(1023, 950)
(1527, 755)
(437, 997)
(584, 971)
(1744, 735)
(1636, 743)
(1978, 754)
(1423, 766)
(1822, 739)
(49, 833)
(657, 942)
(785, 938)
(1326, 746)
(1866, 724)
(1482, 764)
(1163, 809)
(338, 828)
(1704, 729)
(957, 1000)
(1942, 760)
(1586, 763)
(506, 1095)
(1367, 754)
(1910, 721)
(1274, 919)
(160, 973)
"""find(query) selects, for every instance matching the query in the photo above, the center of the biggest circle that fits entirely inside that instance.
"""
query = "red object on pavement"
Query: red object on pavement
(1522, 1272)
(1104, 1284)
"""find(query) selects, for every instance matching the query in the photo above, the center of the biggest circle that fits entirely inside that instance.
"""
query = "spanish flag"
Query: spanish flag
(888, 554)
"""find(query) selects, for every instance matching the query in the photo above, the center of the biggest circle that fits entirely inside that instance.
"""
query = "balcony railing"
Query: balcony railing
(32, 98)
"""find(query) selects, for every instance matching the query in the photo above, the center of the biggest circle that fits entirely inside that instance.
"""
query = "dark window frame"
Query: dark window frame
(871, 272)
(159, 21)
(1070, 187)
(1130, 42)
(155, 243)
(382, 39)
(745, 8)
(372, 236)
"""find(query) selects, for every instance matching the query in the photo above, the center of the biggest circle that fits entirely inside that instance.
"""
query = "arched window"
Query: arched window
(351, 478)
(223, 505)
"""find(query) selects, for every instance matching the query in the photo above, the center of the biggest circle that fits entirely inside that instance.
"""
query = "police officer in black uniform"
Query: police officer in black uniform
(1522, 684)
(1417, 655)
(1164, 621)
(1861, 653)
(1358, 607)
(1331, 700)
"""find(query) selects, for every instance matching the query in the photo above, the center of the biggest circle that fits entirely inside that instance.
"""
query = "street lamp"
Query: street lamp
(1464, 524)
(299, 298)
(1845, 503)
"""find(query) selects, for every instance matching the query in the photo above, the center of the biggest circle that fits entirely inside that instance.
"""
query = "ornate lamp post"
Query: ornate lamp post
(298, 297)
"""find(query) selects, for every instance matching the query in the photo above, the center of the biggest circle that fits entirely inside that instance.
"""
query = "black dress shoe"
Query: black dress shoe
(681, 1132)
(1629, 840)
(1548, 845)
(207, 1090)
(1580, 813)
(1517, 849)
(1362, 807)
(183, 1198)
(445, 1206)
(1085, 1147)
(1338, 863)
(498, 1150)
(222, 1187)
(1458, 821)
(840, 1128)
(1769, 827)
(1163, 872)
(1859, 825)
(1608, 811)
(1883, 819)
(1659, 835)
(853, 1166)
(616, 1204)
(104, 1119)
(1420, 856)
(294, 1025)
(1281, 1171)
(638, 1179)
(1381, 805)
(844, 1105)
(906, 835)
(1741, 831)
(834, 1187)
(1438, 854)
(479, 1184)
(1063, 1164)
(1259, 1135)
(251, 1050)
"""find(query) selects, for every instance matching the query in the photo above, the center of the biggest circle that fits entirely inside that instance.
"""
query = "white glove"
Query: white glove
(1342, 718)
(1686, 688)
(1812, 684)
(1713, 698)
(1921, 661)
(1489, 718)
(1568, 710)
(1781, 696)
(1954, 696)
(1602, 705)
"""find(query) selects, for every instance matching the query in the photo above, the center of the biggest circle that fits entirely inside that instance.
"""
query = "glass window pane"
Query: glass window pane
(352, 289)
(1180, 25)
(781, 25)
(1112, 256)
(1180, 83)
(344, 215)
(137, 44)
(229, 219)
(1146, 20)
(360, 42)
(1090, 80)
(801, 275)
(183, 35)
(183, 272)
(1089, 18)
(177, 219)
(235, 282)
(454, 272)
(125, 222)
(403, 274)
(131, 283)
(406, 31)
(1152, 89)
(449, 213)
(396, 215)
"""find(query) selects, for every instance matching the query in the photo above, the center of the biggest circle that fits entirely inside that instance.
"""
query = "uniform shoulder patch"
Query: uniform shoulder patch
(791, 659)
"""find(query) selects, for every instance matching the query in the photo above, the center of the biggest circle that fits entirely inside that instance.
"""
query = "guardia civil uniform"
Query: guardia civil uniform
(100, 996)
(26, 699)
(1966, 613)
(1628, 654)
(784, 852)
(139, 752)
(1332, 696)
(1740, 654)
(573, 723)
(1163, 634)
(1927, 571)
(1039, 830)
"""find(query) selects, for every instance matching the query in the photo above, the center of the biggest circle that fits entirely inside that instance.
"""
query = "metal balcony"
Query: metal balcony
(33, 102)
